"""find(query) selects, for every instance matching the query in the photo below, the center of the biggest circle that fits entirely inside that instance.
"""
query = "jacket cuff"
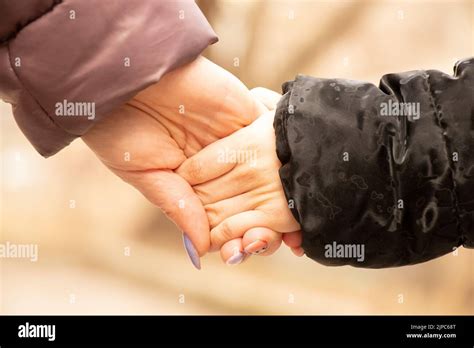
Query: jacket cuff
(283, 113)
(93, 55)
(357, 177)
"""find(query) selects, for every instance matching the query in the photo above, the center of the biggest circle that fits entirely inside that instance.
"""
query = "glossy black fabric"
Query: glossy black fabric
(403, 187)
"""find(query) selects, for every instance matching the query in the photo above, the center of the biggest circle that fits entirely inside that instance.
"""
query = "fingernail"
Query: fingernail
(236, 258)
(192, 252)
(256, 247)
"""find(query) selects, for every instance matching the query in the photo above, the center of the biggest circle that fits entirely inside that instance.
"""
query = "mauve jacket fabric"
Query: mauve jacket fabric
(403, 187)
(79, 51)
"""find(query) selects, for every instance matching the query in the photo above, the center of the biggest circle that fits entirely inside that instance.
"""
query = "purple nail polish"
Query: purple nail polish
(236, 258)
(192, 252)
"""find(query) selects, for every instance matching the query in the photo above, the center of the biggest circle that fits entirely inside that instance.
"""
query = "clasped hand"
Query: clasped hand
(201, 146)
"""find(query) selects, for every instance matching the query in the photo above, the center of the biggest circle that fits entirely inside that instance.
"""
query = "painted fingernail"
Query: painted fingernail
(192, 252)
(236, 258)
(256, 247)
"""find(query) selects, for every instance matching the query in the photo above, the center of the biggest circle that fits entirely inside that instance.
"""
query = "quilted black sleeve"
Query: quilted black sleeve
(388, 171)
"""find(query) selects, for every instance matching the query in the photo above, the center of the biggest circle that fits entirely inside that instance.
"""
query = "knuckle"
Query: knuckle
(247, 173)
(213, 215)
(221, 233)
(226, 230)
(194, 169)
(202, 193)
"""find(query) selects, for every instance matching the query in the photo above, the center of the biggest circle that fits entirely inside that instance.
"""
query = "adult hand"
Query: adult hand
(151, 135)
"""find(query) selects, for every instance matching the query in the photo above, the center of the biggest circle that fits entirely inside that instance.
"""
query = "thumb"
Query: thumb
(176, 198)
(266, 96)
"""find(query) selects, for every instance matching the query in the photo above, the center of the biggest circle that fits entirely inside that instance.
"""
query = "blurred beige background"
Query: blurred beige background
(104, 249)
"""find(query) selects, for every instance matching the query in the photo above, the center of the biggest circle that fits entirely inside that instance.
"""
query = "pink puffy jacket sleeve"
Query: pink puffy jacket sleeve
(66, 64)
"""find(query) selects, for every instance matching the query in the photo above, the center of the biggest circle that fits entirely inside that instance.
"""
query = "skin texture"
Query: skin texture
(189, 108)
(243, 192)
(261, 237)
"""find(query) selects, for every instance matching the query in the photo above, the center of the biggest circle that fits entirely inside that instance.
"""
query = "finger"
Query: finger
(235, 226)
(225, 187)
(266, 96)
(261, 241)
(298, 251)
(222, 209)
(208, 164)
(177, 200)
(232, 252)
(293, 239)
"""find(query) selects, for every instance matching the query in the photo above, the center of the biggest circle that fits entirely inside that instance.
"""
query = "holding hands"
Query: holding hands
(385, 170)
(177, 118)
(237, 180)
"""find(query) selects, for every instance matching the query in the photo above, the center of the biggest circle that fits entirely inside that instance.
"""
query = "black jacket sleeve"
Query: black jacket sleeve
(388, 170)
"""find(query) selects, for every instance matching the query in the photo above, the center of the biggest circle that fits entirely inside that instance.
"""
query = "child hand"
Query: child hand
(237, 180)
